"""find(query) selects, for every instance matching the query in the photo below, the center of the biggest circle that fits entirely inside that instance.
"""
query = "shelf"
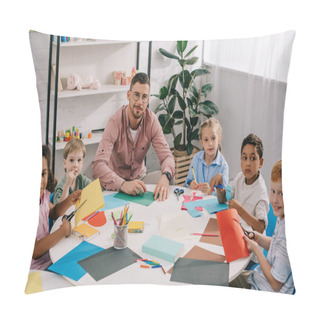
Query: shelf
(106, 88)
(90, 43)
(96, 137)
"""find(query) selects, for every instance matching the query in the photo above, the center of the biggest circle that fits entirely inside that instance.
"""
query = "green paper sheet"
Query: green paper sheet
(108, 261)
(144, 199)
(200, 272)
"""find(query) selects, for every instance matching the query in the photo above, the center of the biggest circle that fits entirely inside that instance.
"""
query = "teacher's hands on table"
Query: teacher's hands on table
(161, 191)
(133, 187)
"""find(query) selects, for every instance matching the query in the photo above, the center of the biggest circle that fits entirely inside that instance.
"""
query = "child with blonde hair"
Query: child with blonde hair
(44, 240)
(73, 179)
(208, 164)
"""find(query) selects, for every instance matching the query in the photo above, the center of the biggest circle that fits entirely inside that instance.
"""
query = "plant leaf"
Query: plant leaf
(168, 54)
(206, 88)
(192, 61)
(189, 148)
(186, 79)
(210, 107)
(188, 54)
(182, 103)
(171, 104)
(178, 114)
(159, 108)
(163, 92)
(194, 119)
(177, 139)
(199, 72)
(181, 46)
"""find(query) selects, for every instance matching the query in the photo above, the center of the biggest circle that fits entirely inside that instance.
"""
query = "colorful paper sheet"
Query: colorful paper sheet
(211, 205)
(187, 198)
(200, 272)
(212, 227)
(34, 283)
(93, 194)
(234, 245)
(108, 261)
(97, 220)
(199, 253)
(143, 199)
(112, 202)
(68, 265)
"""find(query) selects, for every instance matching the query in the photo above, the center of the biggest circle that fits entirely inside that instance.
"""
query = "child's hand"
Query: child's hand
(74, 196)
(204, 187)
(70, 176)
(216, 180)
(66, 227)
(251, 244)
(193, 185)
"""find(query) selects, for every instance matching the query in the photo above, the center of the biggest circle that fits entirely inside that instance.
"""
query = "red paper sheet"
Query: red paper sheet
(234, 245)
(98, 220)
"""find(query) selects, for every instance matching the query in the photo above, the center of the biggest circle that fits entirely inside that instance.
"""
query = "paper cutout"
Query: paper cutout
(108, 262)
(34, 283)
(68, 265)
(212, 227)
(199, 253)
(111, 202)
(232, 236)
(189, 199)
(93, 194)
(211, 205)
(145, 199)
(98, 220)
(200, 272)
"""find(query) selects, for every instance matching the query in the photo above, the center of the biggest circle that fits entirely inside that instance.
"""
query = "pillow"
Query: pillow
(241, 82)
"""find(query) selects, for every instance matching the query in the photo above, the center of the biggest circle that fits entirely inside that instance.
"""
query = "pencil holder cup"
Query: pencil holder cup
(120, 236)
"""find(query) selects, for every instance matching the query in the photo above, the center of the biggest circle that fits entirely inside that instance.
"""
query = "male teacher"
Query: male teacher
(119, 161)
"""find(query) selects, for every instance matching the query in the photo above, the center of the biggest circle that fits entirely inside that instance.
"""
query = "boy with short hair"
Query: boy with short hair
(73, 179)
(274, 272)
(249, 192)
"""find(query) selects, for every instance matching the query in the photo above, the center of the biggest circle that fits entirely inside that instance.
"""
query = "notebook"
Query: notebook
(163, 248)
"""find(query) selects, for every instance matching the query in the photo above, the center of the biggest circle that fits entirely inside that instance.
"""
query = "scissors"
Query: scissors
(249, 234)
(70, 216)
(178, 192)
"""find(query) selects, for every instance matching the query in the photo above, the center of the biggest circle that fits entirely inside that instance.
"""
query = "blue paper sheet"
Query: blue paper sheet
(211, 205)
(111, 202)
(68, 265)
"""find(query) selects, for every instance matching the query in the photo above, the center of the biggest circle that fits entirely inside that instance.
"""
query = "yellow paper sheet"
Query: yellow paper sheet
(34, 283)
(93, 194)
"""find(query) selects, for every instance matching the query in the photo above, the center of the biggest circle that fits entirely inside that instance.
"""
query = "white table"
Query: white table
(148, 214)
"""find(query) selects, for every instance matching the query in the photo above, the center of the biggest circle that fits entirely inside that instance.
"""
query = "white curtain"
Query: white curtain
(250, 80)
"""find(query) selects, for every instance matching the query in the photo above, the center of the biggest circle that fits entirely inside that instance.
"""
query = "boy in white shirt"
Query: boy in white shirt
(249, 192)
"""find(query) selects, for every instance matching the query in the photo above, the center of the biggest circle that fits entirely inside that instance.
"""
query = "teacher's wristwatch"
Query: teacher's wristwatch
(168, 174)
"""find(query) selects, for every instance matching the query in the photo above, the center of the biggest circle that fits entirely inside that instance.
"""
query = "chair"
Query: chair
(153, 178)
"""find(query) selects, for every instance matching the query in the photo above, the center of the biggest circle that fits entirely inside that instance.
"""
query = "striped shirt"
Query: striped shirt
(279, 260)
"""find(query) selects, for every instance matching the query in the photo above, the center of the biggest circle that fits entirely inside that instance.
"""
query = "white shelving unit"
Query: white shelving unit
(105, 88)
(100, 58)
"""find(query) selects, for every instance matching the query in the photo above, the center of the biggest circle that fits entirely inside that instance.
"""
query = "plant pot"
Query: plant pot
(182, 164)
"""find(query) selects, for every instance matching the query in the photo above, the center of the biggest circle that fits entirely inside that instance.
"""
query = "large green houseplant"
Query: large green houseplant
(185, 88)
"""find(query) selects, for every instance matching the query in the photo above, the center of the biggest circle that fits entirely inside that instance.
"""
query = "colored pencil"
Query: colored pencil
(194, 176)
(206, 234)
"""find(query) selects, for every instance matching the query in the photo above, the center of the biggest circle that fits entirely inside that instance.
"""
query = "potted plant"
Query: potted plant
(183, 99)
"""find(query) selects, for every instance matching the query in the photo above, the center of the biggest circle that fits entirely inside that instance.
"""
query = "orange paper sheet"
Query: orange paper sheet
(234, 245)
(98, 220)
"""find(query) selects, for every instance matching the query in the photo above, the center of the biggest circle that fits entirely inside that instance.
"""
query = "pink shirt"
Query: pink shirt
(119, 158)
(43, 230)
